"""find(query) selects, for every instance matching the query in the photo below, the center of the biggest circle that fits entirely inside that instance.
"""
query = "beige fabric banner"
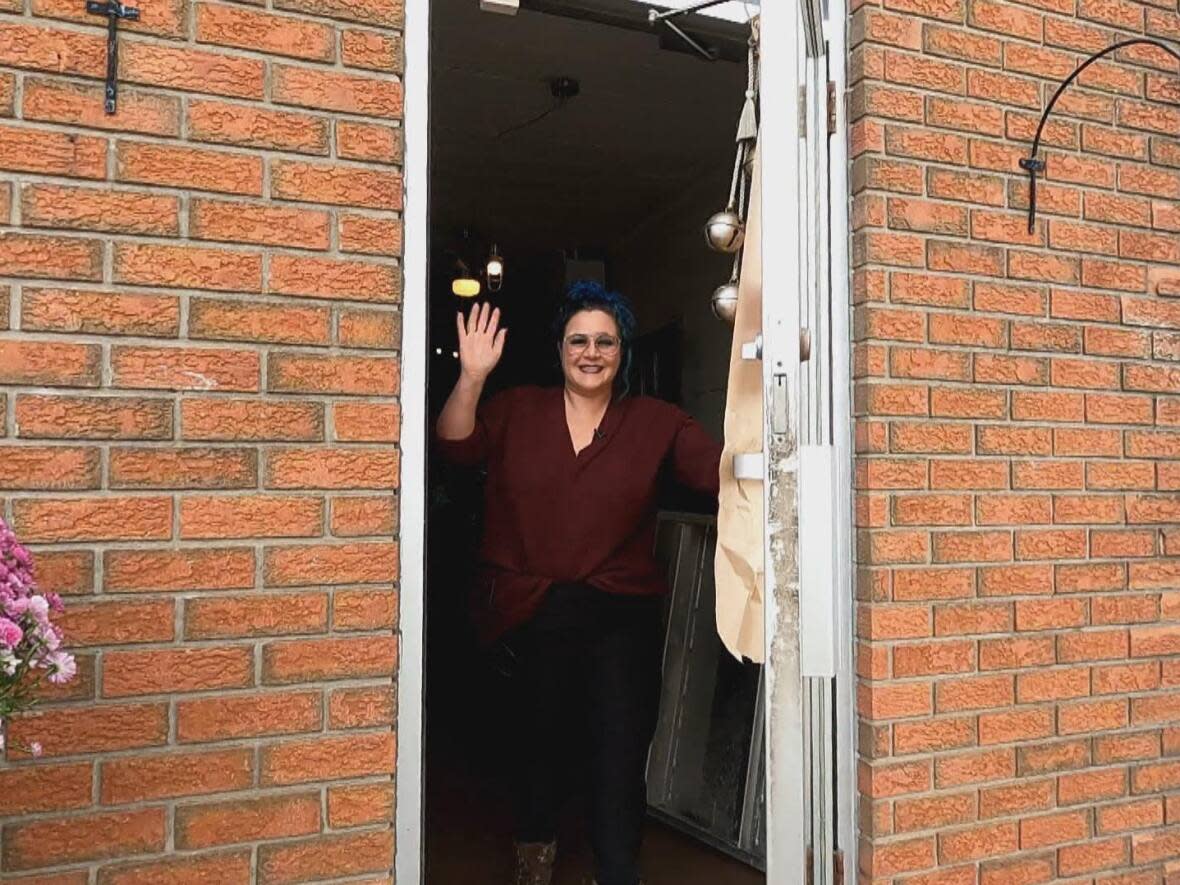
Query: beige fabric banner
(738, 567)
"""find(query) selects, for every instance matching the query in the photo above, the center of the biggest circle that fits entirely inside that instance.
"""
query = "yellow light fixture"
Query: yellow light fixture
(463, 283)
(465, 287)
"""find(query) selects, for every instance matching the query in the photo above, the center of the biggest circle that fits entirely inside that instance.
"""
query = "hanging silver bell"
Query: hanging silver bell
(725, 301)
(725, 231)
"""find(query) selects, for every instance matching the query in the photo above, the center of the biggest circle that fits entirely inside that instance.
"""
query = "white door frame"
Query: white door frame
(781, 158)
(409, 777)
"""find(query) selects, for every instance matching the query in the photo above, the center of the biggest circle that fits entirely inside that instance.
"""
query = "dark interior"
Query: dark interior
(614, 183)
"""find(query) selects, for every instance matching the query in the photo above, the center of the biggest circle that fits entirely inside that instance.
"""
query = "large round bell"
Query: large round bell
(725, 231)
(725, 301)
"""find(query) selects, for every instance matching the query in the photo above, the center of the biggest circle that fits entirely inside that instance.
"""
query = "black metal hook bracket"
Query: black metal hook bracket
(1032, 164)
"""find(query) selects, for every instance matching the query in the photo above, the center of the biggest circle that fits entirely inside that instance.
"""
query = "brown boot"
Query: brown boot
(534, 862)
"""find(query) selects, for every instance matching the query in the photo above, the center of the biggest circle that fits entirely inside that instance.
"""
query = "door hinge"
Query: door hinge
(831, 108)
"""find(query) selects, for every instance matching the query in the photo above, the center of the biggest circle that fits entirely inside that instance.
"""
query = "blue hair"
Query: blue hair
(589, 295)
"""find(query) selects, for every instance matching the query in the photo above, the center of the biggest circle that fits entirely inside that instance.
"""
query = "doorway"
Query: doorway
(583, 148)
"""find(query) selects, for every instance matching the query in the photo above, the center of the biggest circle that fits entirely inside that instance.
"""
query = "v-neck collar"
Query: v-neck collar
(602, 435)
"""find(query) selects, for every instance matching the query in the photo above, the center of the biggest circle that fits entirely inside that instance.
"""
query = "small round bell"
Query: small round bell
(725, 231)
(725, 301)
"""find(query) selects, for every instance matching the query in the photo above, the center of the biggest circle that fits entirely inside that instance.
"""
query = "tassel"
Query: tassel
(748, 122)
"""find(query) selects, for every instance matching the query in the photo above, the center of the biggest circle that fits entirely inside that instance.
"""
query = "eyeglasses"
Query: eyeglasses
(607, 345)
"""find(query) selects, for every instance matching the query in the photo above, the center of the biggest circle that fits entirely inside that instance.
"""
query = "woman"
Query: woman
(568, 578)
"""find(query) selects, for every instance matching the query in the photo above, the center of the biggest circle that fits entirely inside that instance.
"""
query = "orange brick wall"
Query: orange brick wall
(1018, 424)
(199, 330)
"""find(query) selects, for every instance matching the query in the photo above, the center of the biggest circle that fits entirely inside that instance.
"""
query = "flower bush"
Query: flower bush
(30, 643)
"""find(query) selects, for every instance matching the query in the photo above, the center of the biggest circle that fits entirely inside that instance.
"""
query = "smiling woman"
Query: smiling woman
(569, 585)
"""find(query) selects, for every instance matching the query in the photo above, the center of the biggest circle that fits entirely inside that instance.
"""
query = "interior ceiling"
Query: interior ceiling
(647, 123)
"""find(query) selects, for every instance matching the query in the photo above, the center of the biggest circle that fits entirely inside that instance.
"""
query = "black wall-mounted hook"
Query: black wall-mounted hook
(1032, 164)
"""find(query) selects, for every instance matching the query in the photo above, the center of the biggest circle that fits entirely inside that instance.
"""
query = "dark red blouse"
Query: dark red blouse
(553, 516)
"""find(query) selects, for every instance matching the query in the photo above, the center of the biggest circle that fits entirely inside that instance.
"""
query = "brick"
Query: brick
(892, 399)
(1009, 440)
(934, 812)
(978, 842)
(334, 279)
(1101, 274)
(939, 583)
(967, 330)
(250, 126)
(271, 615)
(187, 468)
(325, 856)
(362, 707)
(247, 716)
(1025, 871)
(66, 572)
(374, 12)
(99, 313)
(1016, 799)
(127, 673)
(173, 775)
(373, 50)
(302, 660)
(971, 618)
(182, 368)
(893, 701)
(196, 168)
(1116, 543)
(47, 257)
(1155, 778)
(1055, 406)
(77, 104)
(46, 788)
(1043, 267)
(1123, 748)
(51, 468)
(260, 224)
(251, 420)
(964, 116)
(203, 568)
(369, 515)
(50, 152)
(227, 868)
(1015, 725)
(216, 319)
(1016, 653)
(263, 32)
(1092, 716)
(1151, 641)
(118, 623)
(1118, 409)
(895, 780)
(51, 49)
(163, 18)
(253, 516)
(974, 693)
(900, 857)
(1155, 710)
(308, 373)
(365, 609)
(331, 469)
(956, 402)
(1053, 829)
(1061, 756)
(369, 235)
(987, 546)
(328, 758)
(356, 806)
(98, 836)
(996, 369)
(333, 91)
(192, 70)
(1084, 306)
(1129, 816)
(187, 267)
(354, 187)
(930, 658)
(976, 767)
(247, 820)
(109, 518)
(968, 474)
(73, 730)
(376, 329)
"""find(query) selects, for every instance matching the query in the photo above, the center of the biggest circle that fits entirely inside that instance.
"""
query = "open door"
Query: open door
(805, 456)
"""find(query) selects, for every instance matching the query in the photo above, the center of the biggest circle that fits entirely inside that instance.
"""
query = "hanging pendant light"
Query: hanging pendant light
(495, 270)
(464, 284)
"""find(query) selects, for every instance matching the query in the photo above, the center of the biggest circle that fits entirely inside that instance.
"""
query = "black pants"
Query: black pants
(588, 661)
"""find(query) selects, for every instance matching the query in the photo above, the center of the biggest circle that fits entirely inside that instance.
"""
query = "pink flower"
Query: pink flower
(10, 634)
(36, 749)
(62, 667)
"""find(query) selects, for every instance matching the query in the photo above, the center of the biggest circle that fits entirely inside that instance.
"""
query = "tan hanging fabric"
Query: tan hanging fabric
(738, 567)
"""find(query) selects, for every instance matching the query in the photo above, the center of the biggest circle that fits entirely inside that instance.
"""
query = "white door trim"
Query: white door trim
(408, 822)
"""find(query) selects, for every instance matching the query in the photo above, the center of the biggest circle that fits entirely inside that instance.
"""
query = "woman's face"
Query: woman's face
(591, 352)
